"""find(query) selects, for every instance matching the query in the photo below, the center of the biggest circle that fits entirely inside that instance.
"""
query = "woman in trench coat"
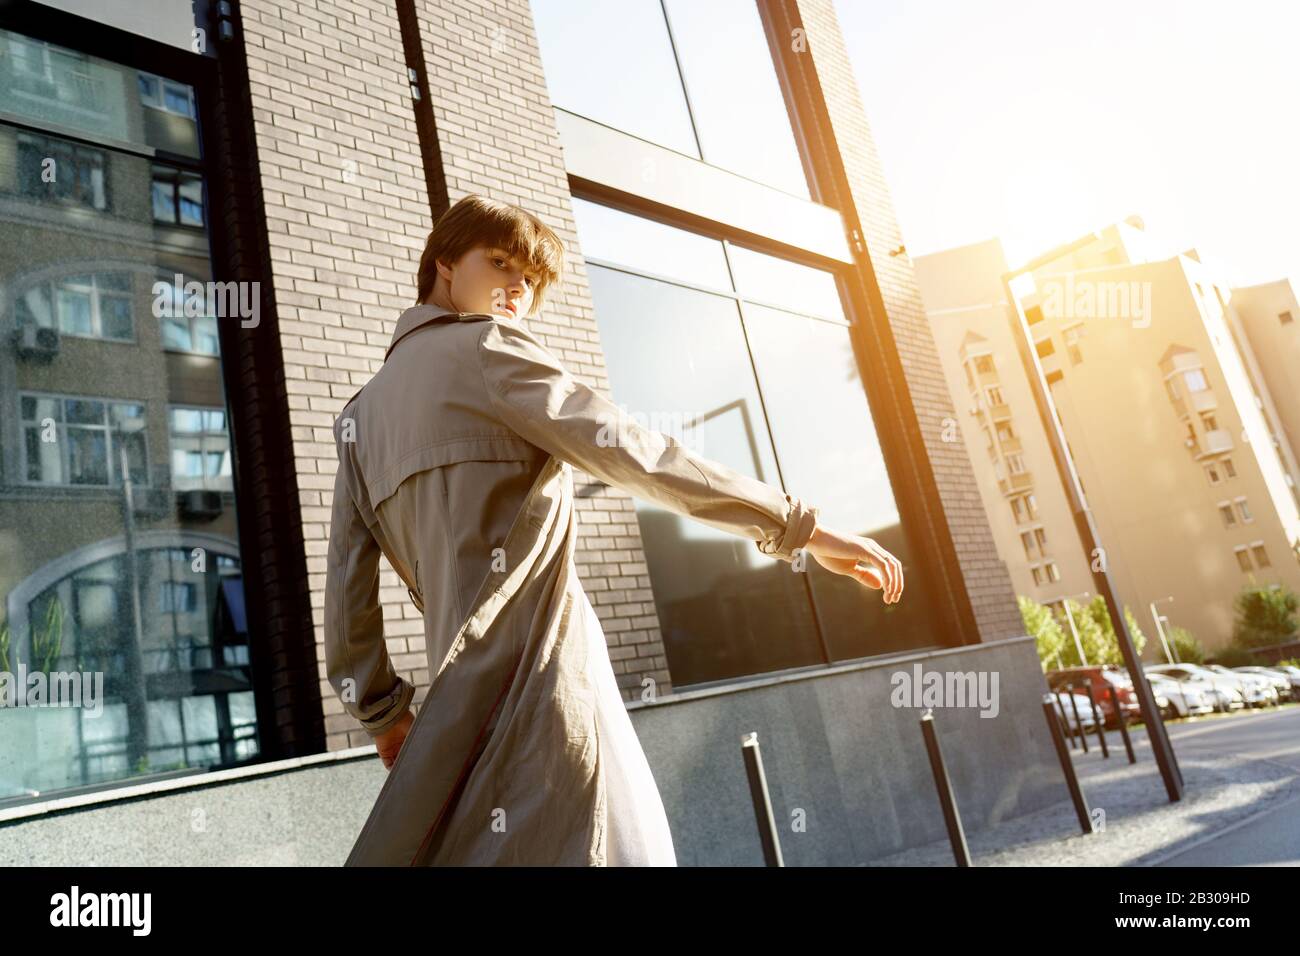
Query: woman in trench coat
(455, 464)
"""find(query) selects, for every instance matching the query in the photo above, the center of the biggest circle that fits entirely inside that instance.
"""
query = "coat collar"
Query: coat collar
(420, 315)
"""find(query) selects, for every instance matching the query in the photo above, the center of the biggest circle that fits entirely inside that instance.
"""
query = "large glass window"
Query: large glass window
(695, 77)
(778, 396)
(121, 563)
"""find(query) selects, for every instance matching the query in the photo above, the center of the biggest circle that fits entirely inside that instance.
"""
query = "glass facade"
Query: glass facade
(119, 555)
(697, 78)
(762, 366)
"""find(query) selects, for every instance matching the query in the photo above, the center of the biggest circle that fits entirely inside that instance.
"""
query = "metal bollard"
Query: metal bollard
(762, 802)
(1065, 721)
(1067, 767)
(951, 818)
(1078, 724)
(1100, 718)
(1123, 724)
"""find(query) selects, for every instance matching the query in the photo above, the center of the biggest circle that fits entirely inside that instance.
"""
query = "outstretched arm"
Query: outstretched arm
(537, 397)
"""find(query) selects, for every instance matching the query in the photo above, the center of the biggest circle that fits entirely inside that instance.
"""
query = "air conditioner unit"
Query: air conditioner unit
(151, 502)
(200, 504)
(36, 343)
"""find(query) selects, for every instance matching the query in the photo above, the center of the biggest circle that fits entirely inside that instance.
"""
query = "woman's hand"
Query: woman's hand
(390, 741)
(842, 553)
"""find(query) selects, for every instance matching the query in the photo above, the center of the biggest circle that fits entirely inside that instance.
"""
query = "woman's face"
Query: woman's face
(486, 279)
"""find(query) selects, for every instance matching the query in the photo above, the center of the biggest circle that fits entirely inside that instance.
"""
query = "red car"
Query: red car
(1100, 677)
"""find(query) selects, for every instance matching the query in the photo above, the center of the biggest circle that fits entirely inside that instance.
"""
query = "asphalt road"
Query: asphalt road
(1270, 837)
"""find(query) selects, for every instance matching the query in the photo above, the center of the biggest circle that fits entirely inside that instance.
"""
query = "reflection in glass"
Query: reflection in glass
(739, 110)
(830, 456)
(648, 246)
(114, 561)
(781, 282)
(45, 84)
(675, 354)
(611, 61)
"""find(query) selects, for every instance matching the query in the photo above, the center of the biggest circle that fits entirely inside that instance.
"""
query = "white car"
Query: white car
(1224, 693)
(1087, 716)
(1178, 699)
(1286, 683)
(1257, 691)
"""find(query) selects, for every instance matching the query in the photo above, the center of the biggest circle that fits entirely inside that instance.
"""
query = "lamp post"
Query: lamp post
(1078, 644)
(1023, 337)
(1169, 655)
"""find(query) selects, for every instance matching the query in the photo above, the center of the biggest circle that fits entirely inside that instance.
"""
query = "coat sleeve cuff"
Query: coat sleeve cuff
(800, 523)
(400, 701)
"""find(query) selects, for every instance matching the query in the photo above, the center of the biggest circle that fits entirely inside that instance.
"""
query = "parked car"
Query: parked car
(1256, 691)
(1287, 685)
(1223, 692)
(1100, 677)
(1087, 716)
(1177, 698)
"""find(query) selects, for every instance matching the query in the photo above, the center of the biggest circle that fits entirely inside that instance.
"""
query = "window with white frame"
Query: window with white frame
(1243, 510)
(1261, 555)
(182, 330)
(1027, 542)
(1051, 571)
(93, 305)
(1212, 473)
(1243, 558)
(200, 448)
(55, 170)
(1229, 470)
(79, 441)
(1225, 512)
(1015, 464)
(177, 196)
(163, 94)
(1195, 379)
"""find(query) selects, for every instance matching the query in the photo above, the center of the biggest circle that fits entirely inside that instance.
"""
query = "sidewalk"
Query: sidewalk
(1226, 786)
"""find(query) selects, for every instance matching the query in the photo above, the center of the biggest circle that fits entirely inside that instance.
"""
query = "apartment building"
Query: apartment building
(1270, 317)
(1179, 443)
(734, 263)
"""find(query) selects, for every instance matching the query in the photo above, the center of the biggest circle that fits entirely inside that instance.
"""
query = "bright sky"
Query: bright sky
(1039, 120)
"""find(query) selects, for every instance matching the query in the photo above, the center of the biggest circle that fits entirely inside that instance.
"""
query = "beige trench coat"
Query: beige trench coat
(455, 462)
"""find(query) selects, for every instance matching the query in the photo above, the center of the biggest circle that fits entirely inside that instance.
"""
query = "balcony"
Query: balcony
(1000, 412)
(1216, 442)
(1016, 483)
(1010, 445)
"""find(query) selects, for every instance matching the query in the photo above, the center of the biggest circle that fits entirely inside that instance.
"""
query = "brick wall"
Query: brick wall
(346, 218)
(987, 580)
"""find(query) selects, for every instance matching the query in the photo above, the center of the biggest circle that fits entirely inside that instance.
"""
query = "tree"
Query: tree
(1048, 636)
(1265, 615)
(1107, 649)
(1186, 648)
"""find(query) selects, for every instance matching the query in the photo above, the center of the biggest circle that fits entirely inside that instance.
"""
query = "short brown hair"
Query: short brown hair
(476, 220)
